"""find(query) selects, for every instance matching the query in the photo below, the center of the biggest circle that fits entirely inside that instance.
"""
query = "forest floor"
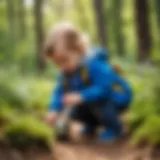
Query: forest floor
(78, 149)
(118, 151)
(81, 151)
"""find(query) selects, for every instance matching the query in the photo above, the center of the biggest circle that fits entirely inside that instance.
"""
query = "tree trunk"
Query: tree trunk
(39, 33)
(21, 19)
(157, 7)
(117, 25)
(98, 5)
(11, 19)
(143, 30)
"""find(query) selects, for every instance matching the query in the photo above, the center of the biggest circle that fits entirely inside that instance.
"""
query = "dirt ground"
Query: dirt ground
(82, 151)
(29, 154)
(119, 151)
(78, 149)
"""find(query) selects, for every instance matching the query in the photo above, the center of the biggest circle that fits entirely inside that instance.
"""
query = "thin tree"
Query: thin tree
(21, 19)
(117, 26)
(143, 29)
(11, 19)
(157, 7)
(98, 6)
(39, 32)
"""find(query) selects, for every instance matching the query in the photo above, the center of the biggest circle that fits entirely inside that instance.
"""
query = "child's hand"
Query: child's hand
(51, 118)
(71, 99)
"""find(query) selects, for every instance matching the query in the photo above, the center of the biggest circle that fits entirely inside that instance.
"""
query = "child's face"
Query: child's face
(67, 61)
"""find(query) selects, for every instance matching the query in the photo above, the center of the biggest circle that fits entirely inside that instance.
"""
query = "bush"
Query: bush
(25, 94)
(6, 115)
(27, 131)
(148, 132)
(144, 121)
(22, 102)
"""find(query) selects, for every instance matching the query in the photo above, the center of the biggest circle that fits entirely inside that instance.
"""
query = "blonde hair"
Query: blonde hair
(68, 35)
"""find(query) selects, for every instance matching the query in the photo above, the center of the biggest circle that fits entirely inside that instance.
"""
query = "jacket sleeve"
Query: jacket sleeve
(56, 99)
(102, 78)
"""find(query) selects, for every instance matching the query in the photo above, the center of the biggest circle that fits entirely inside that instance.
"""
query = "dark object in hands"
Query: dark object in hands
(62, 125)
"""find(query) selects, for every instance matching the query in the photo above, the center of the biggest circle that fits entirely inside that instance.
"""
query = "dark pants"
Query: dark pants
(96, 115)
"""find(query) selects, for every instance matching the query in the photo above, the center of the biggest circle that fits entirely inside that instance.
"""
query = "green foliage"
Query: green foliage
(27, 130)
(144, 113)
(6, 114)
(149, 131)
(23, 102)
(23, 92)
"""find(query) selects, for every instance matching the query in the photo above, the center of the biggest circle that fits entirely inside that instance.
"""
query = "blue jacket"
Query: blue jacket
(98, 53)
(102, 78)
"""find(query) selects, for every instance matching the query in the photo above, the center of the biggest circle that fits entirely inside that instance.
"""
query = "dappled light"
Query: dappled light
(128, 32)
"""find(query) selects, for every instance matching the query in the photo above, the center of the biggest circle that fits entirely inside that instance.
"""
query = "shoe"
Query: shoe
(108, 136)
(88, 131)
